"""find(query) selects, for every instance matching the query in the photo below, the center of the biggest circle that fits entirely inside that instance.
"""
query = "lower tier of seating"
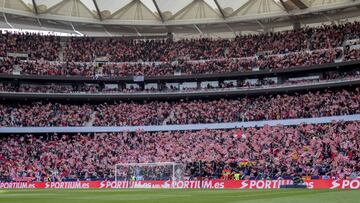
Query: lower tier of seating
(254, 153)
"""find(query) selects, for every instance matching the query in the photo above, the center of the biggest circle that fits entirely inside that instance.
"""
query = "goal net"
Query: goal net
(161, 171)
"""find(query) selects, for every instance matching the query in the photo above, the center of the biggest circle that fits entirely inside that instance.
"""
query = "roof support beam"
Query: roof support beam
(107, 32)
(137, 32)
(328, 17)
(220, 9)
(79, 33)
(198, 29)
(230, 28)
(294, 18)
(158, 10)
(287, 9)
(224, 16)
(35, 7)
(299, 4)
(7, 22)
(244, 6)
(36, 12)
(97, 9)
(261, 25)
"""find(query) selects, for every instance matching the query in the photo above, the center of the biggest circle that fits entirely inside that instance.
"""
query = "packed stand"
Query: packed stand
(280, 50)
(309, 105)
(330, 150)
(9, 65)
(121, 50)
(119, 113)
(318, 57)
(263, 62)
(351, 55)
(44, 114)
(35, 45)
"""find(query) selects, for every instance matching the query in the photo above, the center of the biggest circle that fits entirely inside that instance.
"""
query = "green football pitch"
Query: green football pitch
(178, 196)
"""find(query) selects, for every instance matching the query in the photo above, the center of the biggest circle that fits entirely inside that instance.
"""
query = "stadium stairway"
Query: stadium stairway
(62, 49)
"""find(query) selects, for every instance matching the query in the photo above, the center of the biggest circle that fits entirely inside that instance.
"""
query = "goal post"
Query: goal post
(157, 171)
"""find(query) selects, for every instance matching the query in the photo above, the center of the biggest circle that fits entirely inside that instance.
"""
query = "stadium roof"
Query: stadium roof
(127, 17)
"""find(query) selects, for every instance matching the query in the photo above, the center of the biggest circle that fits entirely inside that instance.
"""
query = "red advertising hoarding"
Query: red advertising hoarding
(191, 184)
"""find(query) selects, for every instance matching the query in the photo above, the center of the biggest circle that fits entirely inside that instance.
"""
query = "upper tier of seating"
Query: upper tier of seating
(35, 45)
(304, 47)
(284, 106)
(120, 50)
(271, 62)
(86, 49)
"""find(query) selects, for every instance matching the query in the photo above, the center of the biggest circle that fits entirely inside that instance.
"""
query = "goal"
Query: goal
(157, 171)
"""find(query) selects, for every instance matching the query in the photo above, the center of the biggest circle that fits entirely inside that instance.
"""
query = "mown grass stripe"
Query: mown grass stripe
(178, 196)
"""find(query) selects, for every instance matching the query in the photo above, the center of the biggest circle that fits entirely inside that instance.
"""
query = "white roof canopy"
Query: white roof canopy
(169, 15)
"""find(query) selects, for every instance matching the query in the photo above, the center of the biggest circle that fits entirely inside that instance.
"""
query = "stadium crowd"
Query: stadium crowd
(263, 62)
(303, 47)
(256, 153)
(351, 55)
(309, 105)
(44, 114)
(267, 152)
(120, 50)
(35, 45)
(119, 113)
